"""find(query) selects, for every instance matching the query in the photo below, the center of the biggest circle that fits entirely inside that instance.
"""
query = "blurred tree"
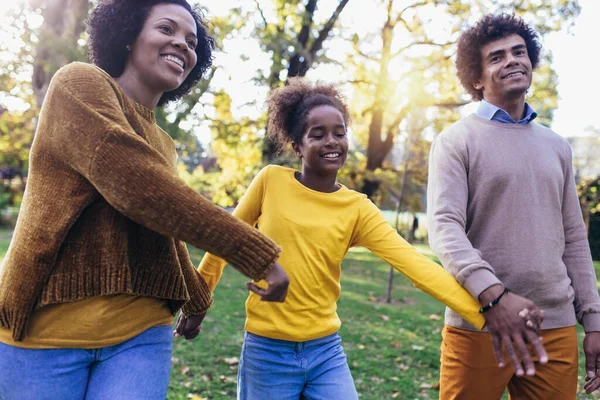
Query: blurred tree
(408, 65)
(58, 40)
(294, 38)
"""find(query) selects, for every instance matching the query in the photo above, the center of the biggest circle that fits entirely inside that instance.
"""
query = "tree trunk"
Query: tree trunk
(57, 46)
(388, 298)
(378, 148)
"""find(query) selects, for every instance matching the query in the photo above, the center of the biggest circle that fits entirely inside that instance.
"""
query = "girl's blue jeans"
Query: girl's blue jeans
(283, 370)
(135, 369)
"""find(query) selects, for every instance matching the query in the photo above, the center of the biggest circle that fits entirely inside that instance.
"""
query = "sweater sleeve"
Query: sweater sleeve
(200, 296)
(577, 256)
(447, 196)
(92, 135)
(248, 210)
(376, 234)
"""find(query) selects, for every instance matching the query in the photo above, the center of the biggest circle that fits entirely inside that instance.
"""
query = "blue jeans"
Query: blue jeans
(135, 369)
(283, 370)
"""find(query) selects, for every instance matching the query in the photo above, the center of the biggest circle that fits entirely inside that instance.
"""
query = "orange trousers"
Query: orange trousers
(469, 370)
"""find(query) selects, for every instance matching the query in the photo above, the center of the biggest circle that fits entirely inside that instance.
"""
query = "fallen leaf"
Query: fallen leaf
(187, 384)
(185, 370)
(195, 397)
(417, 347)
(232, 360)
(425, 385)
(362, 346)
(435, 317)
(396, 344)
(394, 378)
(384, 317)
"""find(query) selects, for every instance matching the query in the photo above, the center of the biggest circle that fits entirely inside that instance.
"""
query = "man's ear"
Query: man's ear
(296, 149)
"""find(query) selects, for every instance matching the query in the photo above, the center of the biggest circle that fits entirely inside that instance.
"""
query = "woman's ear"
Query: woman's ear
(297, 149)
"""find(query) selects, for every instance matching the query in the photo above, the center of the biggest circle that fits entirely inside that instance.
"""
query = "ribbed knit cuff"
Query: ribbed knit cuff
(479, 281)
(591, 322)
(254, 258)
(200, 299)
(16, 321)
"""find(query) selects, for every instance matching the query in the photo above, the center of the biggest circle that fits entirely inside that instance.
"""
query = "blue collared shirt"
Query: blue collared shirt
(491, 112)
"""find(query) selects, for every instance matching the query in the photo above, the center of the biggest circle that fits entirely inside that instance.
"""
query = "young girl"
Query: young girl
(292, 350)
(97, 265)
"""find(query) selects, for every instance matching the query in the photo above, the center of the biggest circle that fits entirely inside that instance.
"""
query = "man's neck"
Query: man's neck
(514, 107)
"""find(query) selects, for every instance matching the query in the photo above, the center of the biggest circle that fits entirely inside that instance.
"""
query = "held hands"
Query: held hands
(188, 327)
(591, 347)
(514, 321)
(278, 282)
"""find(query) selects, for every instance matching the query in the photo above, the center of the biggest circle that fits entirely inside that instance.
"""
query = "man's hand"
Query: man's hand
(507, 323)
(278, 282)
(188, 327)
(591, 347)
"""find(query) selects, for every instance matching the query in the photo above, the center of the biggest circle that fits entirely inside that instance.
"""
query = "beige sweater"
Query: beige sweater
(104, 211)
(503, 207)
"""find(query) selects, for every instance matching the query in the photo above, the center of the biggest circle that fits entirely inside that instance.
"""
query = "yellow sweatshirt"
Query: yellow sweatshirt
(315, 231)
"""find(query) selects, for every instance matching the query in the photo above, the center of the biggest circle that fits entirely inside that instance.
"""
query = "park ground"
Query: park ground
(392, 349)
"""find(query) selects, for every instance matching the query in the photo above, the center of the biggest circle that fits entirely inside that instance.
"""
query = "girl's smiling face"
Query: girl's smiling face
(324, 146)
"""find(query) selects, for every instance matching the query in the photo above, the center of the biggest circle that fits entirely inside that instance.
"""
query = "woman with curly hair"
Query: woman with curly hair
(97, 266)
(292, 350)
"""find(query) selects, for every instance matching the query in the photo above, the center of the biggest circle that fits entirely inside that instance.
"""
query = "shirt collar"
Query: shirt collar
(493, 113)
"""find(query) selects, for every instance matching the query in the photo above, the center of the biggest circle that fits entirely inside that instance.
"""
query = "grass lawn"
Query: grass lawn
(393, 350)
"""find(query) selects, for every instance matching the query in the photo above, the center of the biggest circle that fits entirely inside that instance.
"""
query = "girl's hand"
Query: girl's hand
(278, 282)
(188, 327)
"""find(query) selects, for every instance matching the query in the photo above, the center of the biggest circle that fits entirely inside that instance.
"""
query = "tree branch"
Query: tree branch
(262, 14)
(452, 105)
(419, 4)
(421, 43)
(318, 43)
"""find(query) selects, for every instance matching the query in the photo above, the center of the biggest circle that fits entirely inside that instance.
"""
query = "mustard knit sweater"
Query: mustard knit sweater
(104, 211)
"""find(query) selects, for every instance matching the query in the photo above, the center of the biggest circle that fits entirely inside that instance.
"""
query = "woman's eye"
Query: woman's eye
(192, 44)
(165, 28)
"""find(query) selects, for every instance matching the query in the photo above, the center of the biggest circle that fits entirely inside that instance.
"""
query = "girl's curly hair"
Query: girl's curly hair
(115, 24)
(486, 30)
(289, 106)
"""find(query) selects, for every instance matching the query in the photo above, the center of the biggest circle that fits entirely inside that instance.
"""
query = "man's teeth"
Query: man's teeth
(331, 155)
(174, 59)
(513, 74)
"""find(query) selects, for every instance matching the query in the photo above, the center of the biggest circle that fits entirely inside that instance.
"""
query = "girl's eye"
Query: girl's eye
(341, 134)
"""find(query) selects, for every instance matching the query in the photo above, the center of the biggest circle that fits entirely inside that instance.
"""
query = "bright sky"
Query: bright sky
(576, 62)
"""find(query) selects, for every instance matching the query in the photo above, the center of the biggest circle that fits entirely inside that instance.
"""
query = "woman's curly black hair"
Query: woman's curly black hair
(115, 24)
(486, 30)
(289, 106)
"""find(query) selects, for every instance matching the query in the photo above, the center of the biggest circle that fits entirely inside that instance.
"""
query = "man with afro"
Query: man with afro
(504, 219)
